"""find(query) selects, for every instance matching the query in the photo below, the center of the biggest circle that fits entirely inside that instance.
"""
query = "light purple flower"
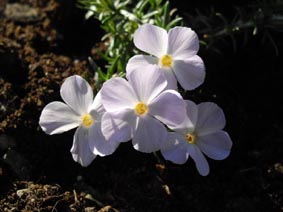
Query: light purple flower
(201, 132)
(141, 104)
(81, 111)
(173, 52)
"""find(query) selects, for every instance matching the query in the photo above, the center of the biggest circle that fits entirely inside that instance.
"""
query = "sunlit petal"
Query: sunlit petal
(77, 93)
(190, 73)
(168, 107)
(183, 43)
(58, 117)
(117, 94)
(149, 135)
(151, 39)
(80, 150)
(148, 83)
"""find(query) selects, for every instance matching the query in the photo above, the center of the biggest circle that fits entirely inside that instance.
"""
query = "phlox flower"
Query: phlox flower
(200, 133)
(82, 111)
(173, 52)
(141, 103)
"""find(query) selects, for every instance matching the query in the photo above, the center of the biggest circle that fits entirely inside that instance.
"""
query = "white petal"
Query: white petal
(77, 93)
(98, 144)
(175, 149)
(210, 118)
(189, 123)
(149, 135)
(151, 39)
(170, 77)
(199, 159)
(190, 73)
(117, 130)
(57, 117)
(80, 150)
(117, 94)
(148, 83)
(168, 107)
(183, 43)
(216, 146)
(97, 110)
(139, 62)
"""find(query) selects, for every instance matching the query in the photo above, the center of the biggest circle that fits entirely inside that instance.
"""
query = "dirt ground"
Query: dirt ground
(43, 42)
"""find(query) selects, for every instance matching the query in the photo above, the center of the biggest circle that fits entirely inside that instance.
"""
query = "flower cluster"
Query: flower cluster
(146, 107)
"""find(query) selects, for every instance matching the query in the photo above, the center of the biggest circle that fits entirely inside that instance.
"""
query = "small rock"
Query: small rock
(21, 12)
(22, 192)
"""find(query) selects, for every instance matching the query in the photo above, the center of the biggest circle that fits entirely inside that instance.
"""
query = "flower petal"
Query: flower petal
(169, 108)
(151, 39)
(57, 117)
(117, 94)
(149, 135)
(190, 73)
(216, 146)
(80, 150)
(98, 144)
(139, 62)
(148, 83)
(183, 43)
(77, 93)
(175, 149)
(200, 161)
(189, 123)
(210, 118)
(97, 110)
(170, 77)
(117, 129)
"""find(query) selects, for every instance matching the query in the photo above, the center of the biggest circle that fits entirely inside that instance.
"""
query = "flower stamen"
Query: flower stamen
(141, 108)
(88, 120)
(191, 138)
(166, 61)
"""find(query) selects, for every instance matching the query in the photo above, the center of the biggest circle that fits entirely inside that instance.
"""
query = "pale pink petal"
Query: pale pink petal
(149, 135)
(77, 93)
(97, 110)
(98, 144)
(80, 150)
(171, 78)
(139, 62)
(168, 107)
(151, 39)
(57, 117)
(199, 159)
(174, 149)
(189, 123)
(190, 73)
(118, 127)
(210, 118)
(117, 94)
(148, 83)
(183, 43)
(216, 146)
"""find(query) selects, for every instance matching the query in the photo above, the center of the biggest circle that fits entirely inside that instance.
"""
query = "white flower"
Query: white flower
(173, 52)
(79, 111)
(141, 103)
(201, 132)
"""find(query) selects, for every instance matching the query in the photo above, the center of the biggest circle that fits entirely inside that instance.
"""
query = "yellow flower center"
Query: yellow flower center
(191, 138)
(87, 120)
(141, 108)
(166, 61)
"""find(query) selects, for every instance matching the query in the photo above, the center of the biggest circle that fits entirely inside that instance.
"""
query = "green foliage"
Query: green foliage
(119, 19)
(259, 18)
